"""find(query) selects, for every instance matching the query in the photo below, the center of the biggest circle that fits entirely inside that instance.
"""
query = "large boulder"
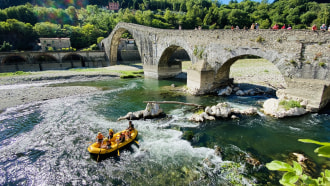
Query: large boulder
(152, 110)
(272, 107)
(220, 110)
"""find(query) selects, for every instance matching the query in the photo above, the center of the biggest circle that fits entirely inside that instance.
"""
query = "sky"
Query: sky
(227, 1)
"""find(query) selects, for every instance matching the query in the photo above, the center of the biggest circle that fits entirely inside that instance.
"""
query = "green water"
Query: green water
(46, 143)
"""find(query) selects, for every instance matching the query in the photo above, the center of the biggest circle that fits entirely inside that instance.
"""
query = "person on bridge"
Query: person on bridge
(276, 27)
(283, 27)
(252, 26)
(323, 27)
(314, 28)
(289, 27)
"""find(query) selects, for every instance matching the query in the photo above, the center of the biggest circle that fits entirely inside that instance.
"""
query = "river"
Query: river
(46, 143)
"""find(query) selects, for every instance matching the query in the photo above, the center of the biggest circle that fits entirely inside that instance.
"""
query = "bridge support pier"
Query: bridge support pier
(161, 72)
(199, 82)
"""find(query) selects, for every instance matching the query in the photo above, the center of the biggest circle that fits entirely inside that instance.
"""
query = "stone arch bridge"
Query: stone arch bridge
(302, 56)
(39, 61)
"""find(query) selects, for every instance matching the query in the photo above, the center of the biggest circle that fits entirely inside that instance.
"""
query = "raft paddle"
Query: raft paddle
(136, 142)
(99, 154)
(118, 145)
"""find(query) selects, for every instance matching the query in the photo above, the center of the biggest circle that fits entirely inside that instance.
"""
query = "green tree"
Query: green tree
(6, 46)
(308, 17)
(238, 17)
(47, 29)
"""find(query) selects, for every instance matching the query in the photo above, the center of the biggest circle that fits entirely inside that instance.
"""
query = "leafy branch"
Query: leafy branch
(294, 174)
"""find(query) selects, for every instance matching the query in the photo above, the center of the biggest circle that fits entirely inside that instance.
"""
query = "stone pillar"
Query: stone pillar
(200, 82)
(150, 71)
(166, 71)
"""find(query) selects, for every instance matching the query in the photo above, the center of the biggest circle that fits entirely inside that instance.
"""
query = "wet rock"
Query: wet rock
(240, 93)
(201, 117)
(309, 167)
(217, 150)
(272, 107)
(225, 92)
(221, 110)
(300, 157)
(152, 110)
(235, 89)
(252, 161)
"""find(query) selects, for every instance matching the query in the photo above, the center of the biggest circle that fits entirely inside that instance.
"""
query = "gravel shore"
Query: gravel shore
(25, 89)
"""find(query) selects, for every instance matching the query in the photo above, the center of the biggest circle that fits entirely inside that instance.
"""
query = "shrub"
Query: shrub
(287, 105)
(293, 62)
(295, 174)
(6, 46)
(321, 64)
(99, 39)
(260, 39)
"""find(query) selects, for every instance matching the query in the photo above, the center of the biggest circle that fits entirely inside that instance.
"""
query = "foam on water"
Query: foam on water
(54, 150)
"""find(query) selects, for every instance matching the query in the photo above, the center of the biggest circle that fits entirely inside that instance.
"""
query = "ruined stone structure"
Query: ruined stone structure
(39, 61)
(302, 56)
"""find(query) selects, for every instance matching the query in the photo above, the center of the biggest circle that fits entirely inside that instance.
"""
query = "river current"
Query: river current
(46, 143)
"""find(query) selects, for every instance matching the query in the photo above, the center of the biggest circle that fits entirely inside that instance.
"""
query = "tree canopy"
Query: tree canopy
(85, 20)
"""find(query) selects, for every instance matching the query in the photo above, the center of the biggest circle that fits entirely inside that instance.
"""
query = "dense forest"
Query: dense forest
(85, 22)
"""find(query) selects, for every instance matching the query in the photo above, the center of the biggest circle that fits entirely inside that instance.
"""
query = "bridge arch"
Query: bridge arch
(168, 66)
(45, 58)
(13, 59)
(75, 60)
(227, 57)
(113, 42)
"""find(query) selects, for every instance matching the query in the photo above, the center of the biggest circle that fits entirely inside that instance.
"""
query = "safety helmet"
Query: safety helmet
(110, 130)
(99, 133)
(106, 140)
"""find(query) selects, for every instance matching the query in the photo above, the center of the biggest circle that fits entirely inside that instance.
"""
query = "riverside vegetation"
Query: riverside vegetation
(89, 22)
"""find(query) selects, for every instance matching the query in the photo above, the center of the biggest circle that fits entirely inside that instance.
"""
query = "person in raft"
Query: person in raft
(108, 144)
(127, 134)
(99, 138)
(120, 138)
(110, 134)
(130, 126)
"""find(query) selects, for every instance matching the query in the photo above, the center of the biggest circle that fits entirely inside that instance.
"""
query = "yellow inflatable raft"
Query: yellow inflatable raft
(95, 147)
